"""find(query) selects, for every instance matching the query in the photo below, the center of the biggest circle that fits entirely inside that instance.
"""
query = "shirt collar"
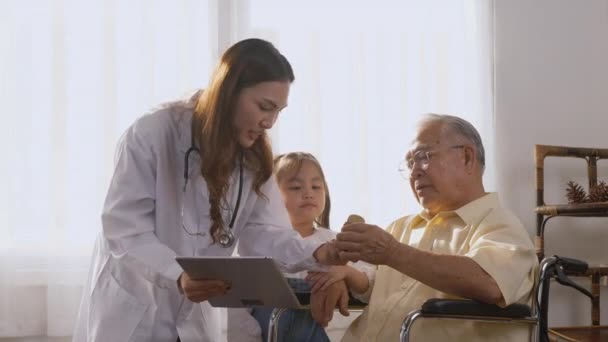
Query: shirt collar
(469, 212)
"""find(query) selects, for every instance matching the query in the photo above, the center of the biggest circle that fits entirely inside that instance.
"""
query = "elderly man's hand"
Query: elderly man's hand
(323, 303)
(360, 241)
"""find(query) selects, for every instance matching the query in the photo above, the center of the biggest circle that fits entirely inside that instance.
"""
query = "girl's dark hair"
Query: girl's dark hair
(289, 164)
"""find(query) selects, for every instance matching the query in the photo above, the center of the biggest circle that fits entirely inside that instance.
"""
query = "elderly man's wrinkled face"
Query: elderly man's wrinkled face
(436, 163)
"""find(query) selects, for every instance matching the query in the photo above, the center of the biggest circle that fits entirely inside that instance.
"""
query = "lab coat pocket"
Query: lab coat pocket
(114, 313)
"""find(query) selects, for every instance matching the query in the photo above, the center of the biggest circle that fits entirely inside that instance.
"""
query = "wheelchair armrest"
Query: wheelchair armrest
(354, 302)
(467, 307)
(304, 298)
(572, 265)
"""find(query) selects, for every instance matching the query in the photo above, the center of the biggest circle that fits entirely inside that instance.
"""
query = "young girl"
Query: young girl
(306, 196)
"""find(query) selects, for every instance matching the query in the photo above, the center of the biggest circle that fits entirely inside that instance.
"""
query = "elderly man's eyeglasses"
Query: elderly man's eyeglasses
(421, 158)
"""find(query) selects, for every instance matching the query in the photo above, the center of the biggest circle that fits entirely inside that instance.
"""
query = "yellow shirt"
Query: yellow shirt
(482, 230)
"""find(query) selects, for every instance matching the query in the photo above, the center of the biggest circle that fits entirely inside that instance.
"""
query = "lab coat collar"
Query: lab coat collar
(184, 121)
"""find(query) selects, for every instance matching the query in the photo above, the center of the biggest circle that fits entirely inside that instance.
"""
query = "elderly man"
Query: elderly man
(464, 244)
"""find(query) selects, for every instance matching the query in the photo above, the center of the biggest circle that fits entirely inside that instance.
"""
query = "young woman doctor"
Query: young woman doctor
(193, 177)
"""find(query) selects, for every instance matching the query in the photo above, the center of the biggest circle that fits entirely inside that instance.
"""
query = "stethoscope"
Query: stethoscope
(225, 237)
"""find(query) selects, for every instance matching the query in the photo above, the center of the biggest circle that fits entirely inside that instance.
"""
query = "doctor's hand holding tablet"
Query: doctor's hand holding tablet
(202, 290)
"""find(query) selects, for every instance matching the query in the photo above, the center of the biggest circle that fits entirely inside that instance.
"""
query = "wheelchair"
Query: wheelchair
(555, 267)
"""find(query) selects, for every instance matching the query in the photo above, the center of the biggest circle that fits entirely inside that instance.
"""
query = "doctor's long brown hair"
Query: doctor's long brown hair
(243, 65)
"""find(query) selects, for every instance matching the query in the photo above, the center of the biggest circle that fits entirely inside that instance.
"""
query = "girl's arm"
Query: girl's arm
(356, 281)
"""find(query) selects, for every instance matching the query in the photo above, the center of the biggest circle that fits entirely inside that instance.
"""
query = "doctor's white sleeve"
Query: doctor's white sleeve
(268, 232)
(128, 216)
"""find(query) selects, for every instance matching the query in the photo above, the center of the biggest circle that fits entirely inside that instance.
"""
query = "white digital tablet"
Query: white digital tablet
(256, 281)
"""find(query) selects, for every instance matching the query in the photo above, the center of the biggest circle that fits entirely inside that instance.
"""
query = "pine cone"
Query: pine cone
(575, 193)
(599, 193)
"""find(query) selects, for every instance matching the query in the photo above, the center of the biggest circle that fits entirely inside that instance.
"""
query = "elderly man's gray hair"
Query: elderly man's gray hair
(463, 128)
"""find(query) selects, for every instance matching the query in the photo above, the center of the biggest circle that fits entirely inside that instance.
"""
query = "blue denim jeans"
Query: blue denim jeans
(294, 325)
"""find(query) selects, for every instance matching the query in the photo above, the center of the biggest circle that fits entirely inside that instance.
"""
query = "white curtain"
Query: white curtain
(364, 74)
(75, 73)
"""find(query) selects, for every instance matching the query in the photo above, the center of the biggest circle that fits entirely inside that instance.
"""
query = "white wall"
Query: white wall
(551, 83)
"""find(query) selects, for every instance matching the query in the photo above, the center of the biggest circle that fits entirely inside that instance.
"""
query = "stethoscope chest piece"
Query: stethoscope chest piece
(226, 239)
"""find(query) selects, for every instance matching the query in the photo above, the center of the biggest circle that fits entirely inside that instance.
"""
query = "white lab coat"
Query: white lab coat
(131, 292)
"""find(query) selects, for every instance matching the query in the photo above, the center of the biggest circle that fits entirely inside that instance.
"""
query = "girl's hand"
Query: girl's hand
(323, 303)
(321, 281)
(201, 290)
